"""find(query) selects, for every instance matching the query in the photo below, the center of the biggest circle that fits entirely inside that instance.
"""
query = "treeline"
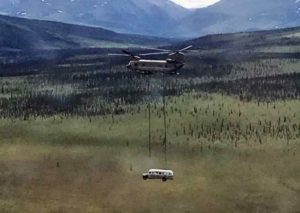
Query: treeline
(89, 85)
(269, 88)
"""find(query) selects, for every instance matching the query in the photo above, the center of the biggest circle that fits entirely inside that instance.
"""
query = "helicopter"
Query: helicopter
(171, 65)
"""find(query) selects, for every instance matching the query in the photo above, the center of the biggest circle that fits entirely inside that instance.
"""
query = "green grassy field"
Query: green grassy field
(227, 156)
(74, 133)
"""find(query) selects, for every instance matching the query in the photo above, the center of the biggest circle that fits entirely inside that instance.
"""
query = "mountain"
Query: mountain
(240, 15)
(151, 17)
(161, 17)
(25, 34)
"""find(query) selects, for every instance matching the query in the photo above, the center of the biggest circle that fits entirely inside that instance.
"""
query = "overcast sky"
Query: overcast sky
(195, 3)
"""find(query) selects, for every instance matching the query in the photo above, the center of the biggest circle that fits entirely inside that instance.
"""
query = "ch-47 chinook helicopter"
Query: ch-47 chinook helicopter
(171, 65)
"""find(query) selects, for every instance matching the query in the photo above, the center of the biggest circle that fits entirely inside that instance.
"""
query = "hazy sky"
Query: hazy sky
(195, 3)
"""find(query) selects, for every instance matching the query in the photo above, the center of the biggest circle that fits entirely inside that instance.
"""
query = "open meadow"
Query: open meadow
(227, 155)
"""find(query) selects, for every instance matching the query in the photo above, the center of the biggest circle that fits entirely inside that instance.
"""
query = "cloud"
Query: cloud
(195, 3)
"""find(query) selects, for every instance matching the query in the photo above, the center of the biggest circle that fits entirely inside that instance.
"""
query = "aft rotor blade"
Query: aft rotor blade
(186, 48)
(150, 48)
(116, 54)
(158, 53)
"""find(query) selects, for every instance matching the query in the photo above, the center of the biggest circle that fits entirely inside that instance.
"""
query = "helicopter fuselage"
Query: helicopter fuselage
(155, 66)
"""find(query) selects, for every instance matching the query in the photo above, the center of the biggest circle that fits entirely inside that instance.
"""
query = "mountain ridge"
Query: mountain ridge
(130, 16)
(228, 16)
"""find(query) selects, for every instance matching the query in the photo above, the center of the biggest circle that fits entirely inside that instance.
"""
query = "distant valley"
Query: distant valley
(33, 43)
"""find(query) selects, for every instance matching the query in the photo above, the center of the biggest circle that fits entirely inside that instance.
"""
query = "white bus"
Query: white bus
(162, 174)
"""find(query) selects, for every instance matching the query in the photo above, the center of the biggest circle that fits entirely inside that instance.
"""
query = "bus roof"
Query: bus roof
(160, 170)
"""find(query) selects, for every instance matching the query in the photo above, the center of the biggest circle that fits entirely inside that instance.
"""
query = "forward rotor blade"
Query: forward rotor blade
(150, 48)
(186, 48)
(158, 53)
(126, 52)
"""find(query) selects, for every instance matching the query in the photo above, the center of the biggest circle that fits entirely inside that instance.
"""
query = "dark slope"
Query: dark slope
(24, 34)
(247, 40)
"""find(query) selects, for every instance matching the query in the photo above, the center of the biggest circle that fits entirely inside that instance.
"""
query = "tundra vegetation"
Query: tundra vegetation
(74, 135)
